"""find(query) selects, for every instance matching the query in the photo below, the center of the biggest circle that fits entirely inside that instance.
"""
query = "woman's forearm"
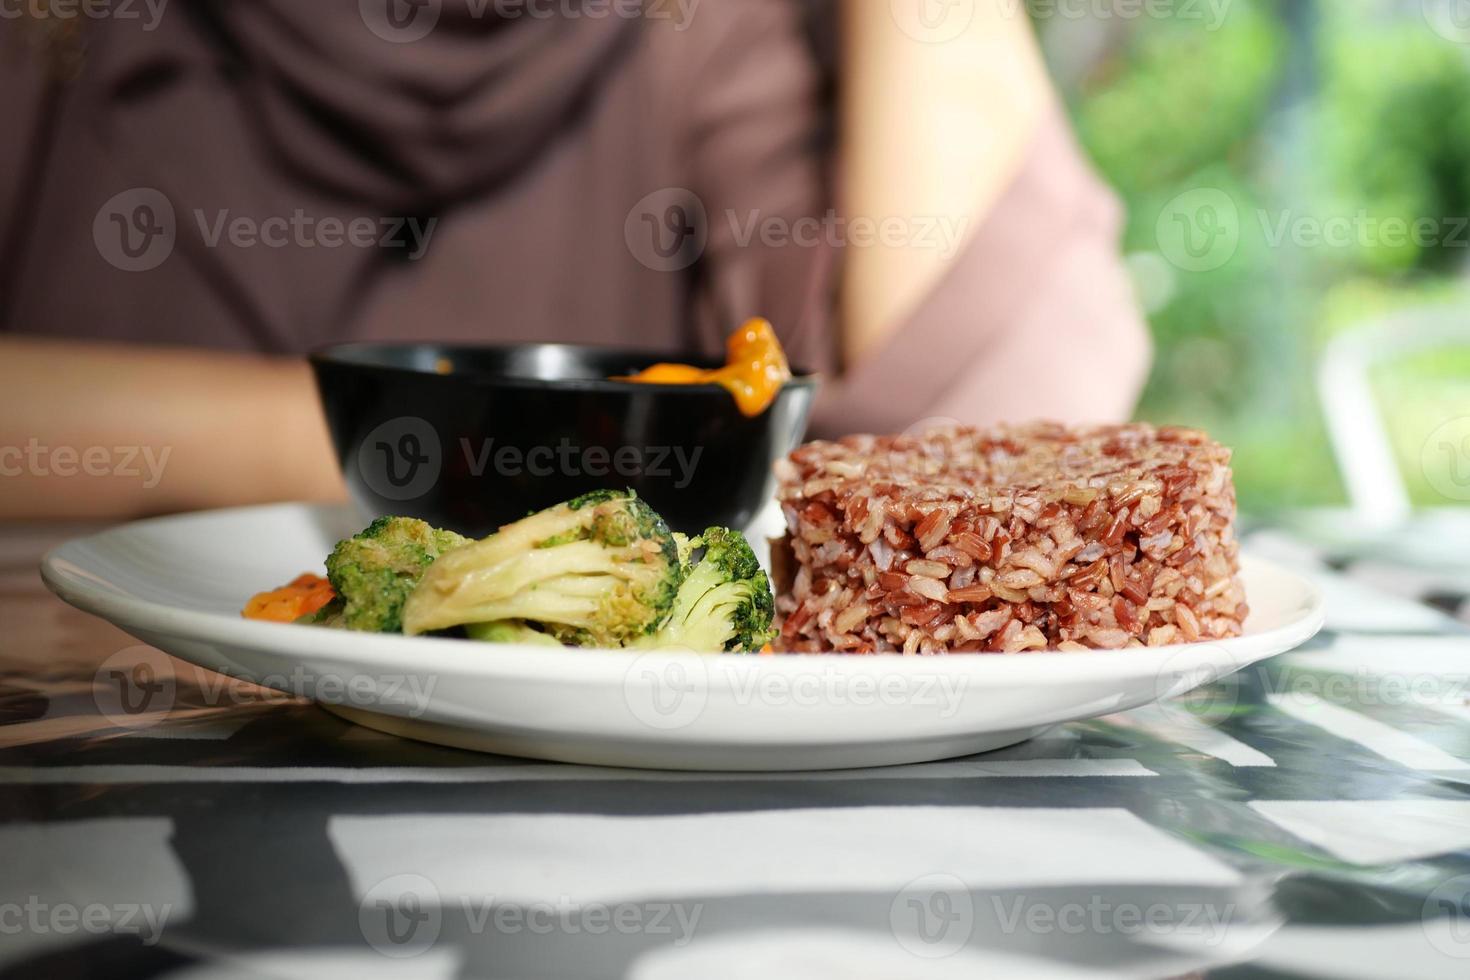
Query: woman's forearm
(97, 431)
(940, 102)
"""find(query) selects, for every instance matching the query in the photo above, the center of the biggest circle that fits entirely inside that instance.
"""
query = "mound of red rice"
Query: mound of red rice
(1008, 539)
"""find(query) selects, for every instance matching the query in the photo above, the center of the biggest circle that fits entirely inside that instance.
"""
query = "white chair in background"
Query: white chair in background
(1381, 521)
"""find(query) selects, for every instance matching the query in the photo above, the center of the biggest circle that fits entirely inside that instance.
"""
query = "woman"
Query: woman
(198, 196)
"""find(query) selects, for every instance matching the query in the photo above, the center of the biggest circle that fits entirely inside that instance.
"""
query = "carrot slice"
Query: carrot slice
(303, 596)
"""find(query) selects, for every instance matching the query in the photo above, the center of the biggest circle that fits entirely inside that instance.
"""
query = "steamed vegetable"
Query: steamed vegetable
(601, 570)
(509, 631)
(301, 598)
(725, 602)
(374, 572)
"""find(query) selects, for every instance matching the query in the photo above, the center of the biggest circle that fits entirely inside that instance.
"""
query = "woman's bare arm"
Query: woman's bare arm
(940, 102)
(97, 431)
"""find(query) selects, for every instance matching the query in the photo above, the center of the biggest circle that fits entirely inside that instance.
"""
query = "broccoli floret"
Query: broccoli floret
(374, 572)
(601, 570)
(509, 631)
(725, 603)
(686, 546)
(329, 615)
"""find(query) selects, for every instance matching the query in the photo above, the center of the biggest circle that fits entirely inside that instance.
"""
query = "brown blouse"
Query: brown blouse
(277, 176)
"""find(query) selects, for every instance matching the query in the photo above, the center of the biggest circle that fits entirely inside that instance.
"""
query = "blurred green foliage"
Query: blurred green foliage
(1395, 129)
(1321, 121)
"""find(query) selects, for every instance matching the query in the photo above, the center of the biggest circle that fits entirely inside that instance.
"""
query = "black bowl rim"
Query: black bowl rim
(332, 356)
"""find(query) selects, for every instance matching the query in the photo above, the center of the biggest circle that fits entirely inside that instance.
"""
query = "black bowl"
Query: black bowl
(471, 438)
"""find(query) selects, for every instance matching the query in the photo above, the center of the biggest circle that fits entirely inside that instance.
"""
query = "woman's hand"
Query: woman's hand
(99, 431)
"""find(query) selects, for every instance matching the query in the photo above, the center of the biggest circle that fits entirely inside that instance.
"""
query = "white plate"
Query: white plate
(178, 583)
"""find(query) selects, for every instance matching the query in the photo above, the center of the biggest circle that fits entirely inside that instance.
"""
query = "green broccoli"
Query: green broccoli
(374, 572)
(330, 615)
(509, 631)
(601, 570)
(725, 602)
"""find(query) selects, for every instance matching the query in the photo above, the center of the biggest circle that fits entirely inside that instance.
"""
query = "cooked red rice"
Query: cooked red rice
(1008, 539)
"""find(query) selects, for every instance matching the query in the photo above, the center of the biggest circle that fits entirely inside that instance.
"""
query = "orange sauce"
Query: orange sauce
(754, 373)
(304, 596)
